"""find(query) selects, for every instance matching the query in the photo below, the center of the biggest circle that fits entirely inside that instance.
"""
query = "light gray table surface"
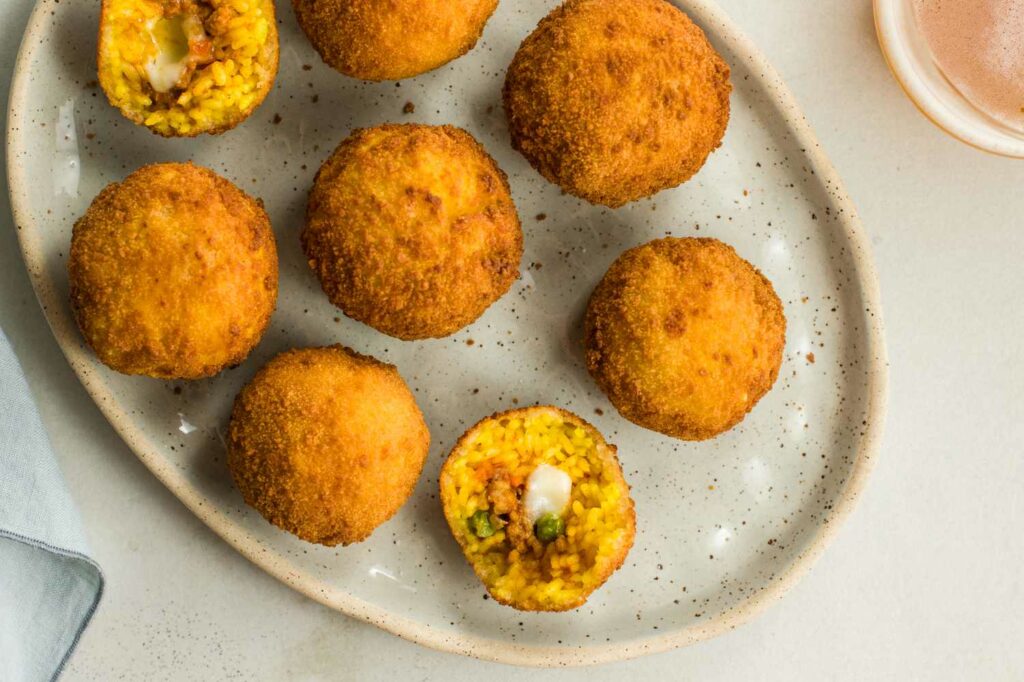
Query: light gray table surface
(925, 579)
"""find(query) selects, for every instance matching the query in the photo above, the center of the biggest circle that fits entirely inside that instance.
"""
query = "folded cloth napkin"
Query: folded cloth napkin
(49, 588)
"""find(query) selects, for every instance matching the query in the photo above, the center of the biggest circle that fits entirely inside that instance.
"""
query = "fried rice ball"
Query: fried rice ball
(615, 100)
(378, 40)
(412, 230)
(326, 443)
(537, 502)
(185, 67)
(173, 273)
(684, 336)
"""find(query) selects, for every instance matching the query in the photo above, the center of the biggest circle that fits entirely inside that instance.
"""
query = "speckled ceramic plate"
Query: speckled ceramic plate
(724, 527)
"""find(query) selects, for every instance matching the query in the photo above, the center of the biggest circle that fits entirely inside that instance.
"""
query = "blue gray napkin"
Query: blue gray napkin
(49, 588)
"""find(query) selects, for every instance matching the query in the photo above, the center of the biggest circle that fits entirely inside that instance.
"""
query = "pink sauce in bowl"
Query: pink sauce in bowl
(979, 47)
(962, 63)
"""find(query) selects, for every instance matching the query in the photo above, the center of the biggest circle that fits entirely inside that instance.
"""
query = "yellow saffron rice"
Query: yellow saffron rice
(227, 50)
(599, 519)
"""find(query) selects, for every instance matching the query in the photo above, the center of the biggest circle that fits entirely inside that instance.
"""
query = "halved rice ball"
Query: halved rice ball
(185, 67)
(537, 501)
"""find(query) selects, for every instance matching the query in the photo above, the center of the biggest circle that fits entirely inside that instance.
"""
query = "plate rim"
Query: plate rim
(716, 21)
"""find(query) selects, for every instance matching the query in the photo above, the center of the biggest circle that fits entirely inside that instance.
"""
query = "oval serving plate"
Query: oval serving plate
(724, 527)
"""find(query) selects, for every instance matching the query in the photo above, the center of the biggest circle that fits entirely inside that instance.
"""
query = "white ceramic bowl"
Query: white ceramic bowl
(910, 60)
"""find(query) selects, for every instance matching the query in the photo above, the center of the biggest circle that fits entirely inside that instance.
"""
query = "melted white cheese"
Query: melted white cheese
(163, 73)
(547, 491)
(165, 69)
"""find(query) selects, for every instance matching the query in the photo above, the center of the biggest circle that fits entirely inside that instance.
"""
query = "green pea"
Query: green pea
(480, 524)
(549, 527)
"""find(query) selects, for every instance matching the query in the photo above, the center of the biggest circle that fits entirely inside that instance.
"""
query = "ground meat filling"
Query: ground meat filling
(507, 506)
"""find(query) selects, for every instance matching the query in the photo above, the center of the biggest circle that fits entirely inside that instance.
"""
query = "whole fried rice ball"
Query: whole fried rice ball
(684, 336)
(326, 443)
(185, 67)
(537, 502)
(615, 100)
(412, 230)
(173, 273)
(379, 40)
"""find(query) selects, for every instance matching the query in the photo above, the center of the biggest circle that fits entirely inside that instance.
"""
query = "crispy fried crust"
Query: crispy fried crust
(326, 443)
(609, 458)
(684, 336)
(376, 40)
(412, 230)
(615, 100)
(173, 273)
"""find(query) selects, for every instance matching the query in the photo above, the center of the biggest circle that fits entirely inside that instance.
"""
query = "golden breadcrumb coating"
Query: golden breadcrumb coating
(173, 273)
(487, 472)
(379, 40)
(684, 336)
(615, 100)
(412, 230)
(326, 443)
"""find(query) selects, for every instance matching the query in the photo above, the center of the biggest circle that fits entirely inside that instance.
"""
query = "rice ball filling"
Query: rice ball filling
(182, 45)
